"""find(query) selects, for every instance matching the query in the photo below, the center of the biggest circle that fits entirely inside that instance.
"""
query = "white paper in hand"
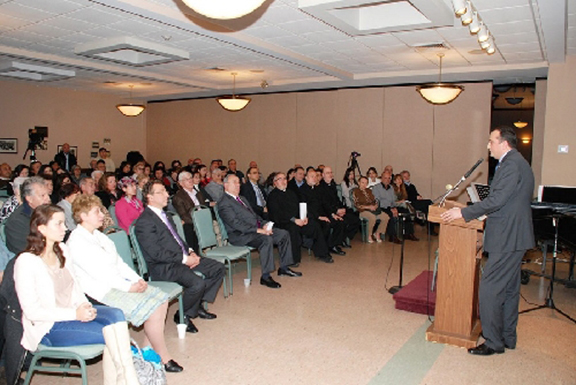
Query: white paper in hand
(268, 226)
(303, 210)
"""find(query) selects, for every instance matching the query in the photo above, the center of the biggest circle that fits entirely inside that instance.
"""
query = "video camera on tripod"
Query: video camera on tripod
(36, 137)
(353, 162)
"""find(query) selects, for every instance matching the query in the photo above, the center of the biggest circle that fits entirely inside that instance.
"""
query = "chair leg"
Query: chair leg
(230, 290)
(181, 308)
(249, 265)
(31, 369)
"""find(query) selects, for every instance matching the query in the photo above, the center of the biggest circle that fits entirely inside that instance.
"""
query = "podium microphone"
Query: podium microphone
(473, 168)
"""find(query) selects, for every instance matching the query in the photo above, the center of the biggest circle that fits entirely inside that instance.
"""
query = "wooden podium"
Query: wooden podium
(456, 317)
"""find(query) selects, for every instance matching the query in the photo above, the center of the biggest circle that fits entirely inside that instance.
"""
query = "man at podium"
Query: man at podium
(508, 234)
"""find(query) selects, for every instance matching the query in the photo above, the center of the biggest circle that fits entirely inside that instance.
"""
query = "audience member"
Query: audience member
(101, 165)
(124, 170)
(175, 164)
(333, 207)
(35, 167)
(347, 185)
(76, 174)
(246, 228)
(55, 311)
(373, 179)
(189, 196)
(105, 277)
(108, 189)
(284, 211)
(216, 186)
(88, 187)
(33, 194)
(96, 175)
(68, 193)
(13, 201)
(253, 193)
(45, 169)
(5, 177)
(59, 181)
(65, 159)
(170, 259)
(21, 171)
(110, 166)
(298, 181)
(54, 166)
(333, 230)
(232, 169)
(414, 197)
(147, 170)
(290, 174)
(138, 169)
(93, 165)
(204, 178)
(128, 208)
(368, 207)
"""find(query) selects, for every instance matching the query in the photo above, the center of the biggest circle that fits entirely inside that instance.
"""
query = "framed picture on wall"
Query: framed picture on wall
(73, 150)
(8, 146)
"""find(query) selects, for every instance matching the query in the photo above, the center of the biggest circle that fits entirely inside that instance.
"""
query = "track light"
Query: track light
(468, 16)
(475, 24)
(487, 43)
(490, 50)
(483, 34)
(460, 7)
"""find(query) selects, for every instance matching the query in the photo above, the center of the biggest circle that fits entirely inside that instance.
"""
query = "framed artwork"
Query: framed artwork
(8, 146)
(73, 150)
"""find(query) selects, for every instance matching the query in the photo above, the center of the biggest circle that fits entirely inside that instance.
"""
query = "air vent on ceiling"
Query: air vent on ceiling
(35, 72)
(431, 47)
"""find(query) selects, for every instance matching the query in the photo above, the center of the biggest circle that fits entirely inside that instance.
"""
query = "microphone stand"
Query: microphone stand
(396, 289)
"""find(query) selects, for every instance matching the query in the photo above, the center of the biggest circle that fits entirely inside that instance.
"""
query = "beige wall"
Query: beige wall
(76, 117)
(559, 122)
(392, 125)
(538, 131)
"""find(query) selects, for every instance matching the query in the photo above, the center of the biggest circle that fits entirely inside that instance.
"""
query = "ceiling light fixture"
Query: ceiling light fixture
(460, 7)
(483, 33)
(475, 24)
(224, 9)
(520, 123)
(468, 16)
(130, 110)
(233, 103)
(440, 93)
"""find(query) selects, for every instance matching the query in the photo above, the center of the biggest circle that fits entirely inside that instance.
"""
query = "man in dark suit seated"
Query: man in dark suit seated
(253, 193)
(284, 211)
(332, 225)
(246, 228)
(298, 181)
(188, 197)
(507, 235)
(170, 259)
(334, 208)
(65, 158)
(416, 200)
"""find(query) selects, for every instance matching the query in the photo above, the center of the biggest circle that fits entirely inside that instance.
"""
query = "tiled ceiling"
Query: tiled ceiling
(286, 43)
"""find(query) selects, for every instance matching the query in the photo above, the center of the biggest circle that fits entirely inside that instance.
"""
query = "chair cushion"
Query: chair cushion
(229, 251)
(85, 351)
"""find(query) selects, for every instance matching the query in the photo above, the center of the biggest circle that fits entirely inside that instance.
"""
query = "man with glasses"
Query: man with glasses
(253, 193)
(169, 258)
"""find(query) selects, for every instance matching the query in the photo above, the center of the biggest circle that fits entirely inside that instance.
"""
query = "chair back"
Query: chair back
(142, 268)
(339, 193)
(3, 232)
(178, 222)
(353, 199)
(202, 220)
(112, 211)
(122, 243)
(223, 232)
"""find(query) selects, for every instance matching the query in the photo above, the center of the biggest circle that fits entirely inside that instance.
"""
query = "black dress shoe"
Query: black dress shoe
(395, 240)
(173, 367)
(270, 283)
(191, 328)
(177, 317)
(287, 271)
(484, 350)
(510, 347)
(204, 314)
(346, 244)
(326, 259)
(337, 250)
(296, 264)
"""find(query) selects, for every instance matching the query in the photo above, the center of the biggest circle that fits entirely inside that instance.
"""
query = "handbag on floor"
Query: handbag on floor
(148, 366)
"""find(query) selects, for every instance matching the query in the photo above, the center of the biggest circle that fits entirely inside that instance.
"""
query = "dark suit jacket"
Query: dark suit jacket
(247, 191)
(509, 222)
(282, 207)
(60, 158)
(184, 204)
(162, 253)
(312, 198)
(412, 192)
(241, 221)
(329, 198)
(17, 228)
(294, 187)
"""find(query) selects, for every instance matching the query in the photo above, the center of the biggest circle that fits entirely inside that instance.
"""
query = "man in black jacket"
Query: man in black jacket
(333, 207)
(284, 211)
(65, 159)
(332, 225)
(253, 193)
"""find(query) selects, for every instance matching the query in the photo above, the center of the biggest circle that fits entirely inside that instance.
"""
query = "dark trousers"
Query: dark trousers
(333, 231)
(311, 230)
(190, 235)
(265, 245)
(394, 228)
(198, 289)
(499, 295)
(351, 224)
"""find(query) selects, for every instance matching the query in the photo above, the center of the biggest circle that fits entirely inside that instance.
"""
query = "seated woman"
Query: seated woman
(368, 207)
(108, 189)
(373, 179)
(106, 278)
(128, 208)
(55, 311)
(68, 194)
(348, 184)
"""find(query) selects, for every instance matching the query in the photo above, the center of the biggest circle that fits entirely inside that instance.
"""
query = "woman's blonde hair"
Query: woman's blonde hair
(83, 204)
